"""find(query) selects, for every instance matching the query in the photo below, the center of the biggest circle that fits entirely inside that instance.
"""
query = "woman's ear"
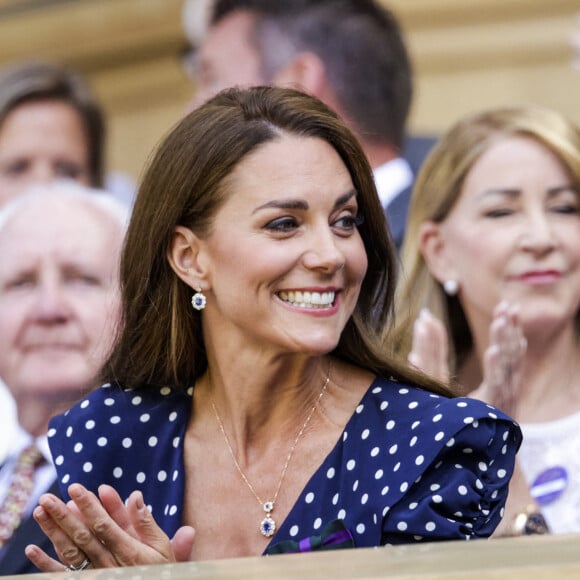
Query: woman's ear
(185, 257)
(434, 247)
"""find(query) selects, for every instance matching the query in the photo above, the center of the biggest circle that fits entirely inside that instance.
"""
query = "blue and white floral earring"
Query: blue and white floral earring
(198, 300)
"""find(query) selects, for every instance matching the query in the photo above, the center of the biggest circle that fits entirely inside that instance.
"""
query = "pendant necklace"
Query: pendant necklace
(268, 525)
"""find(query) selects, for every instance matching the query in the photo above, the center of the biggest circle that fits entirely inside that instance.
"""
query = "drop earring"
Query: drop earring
(198, 300)
(451, 287)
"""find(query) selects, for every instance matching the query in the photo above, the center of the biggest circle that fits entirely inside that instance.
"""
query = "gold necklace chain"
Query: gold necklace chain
(268, 525)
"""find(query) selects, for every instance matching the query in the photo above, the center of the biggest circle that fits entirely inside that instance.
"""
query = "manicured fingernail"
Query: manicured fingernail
(39, 513)
(75, 491)
(139, 502)
(47, 501)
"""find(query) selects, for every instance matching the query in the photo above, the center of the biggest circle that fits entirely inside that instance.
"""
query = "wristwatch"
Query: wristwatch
(529, 521)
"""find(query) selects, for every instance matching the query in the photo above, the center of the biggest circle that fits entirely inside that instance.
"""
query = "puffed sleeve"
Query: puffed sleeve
(462, 493)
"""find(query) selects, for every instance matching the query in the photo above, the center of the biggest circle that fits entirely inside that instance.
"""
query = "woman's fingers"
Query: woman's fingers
(182, 543)
(503, 360)
(129, 534)
(72, 536)
(145, 525)
(104, 531)
(117, 545)
(429, 352)
(42, 560)
(137, 518)
(113, 504)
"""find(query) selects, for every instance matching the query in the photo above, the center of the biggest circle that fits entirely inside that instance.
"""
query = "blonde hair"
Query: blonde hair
(439, 185)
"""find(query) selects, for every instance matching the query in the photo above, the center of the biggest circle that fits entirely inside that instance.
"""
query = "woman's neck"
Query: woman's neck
(259, 402)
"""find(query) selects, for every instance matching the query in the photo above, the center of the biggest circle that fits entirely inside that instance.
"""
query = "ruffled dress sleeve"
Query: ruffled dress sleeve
(462, 492)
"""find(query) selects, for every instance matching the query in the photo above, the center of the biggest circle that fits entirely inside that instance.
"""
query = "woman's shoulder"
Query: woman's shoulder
(409, 406)
(111, 404)
(120, 437)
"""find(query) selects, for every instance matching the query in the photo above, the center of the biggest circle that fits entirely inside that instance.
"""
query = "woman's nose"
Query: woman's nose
(539, 235)
(324, 252)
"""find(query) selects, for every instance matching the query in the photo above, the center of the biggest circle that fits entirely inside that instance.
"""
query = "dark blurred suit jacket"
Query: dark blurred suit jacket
(416, 149)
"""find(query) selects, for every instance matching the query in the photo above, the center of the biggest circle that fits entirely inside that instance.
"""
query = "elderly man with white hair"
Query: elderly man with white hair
(59, 308)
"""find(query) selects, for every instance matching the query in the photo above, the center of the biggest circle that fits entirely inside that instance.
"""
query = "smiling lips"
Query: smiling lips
(306, 299)
(48, 345)
(540, 277)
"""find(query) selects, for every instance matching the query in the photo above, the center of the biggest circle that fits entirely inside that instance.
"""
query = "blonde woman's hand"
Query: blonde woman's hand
(429, 352)
(105, 532)
(503, 361)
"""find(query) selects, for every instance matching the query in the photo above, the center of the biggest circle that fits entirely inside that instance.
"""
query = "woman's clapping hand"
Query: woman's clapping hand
(104, 531)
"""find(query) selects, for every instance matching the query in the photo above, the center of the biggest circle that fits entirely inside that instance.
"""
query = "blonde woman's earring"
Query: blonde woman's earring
(451, 287)
(198, 300)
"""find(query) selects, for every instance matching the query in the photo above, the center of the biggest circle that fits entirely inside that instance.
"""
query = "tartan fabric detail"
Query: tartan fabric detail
(334, 536)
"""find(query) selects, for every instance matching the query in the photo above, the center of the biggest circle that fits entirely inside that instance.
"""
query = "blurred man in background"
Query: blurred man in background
(349, 53)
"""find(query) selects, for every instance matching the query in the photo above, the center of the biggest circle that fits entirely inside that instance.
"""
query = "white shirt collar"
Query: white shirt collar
(391, 178)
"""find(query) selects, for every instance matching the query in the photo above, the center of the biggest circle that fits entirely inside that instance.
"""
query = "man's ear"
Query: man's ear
(435, 250)
(185, 256)
(305, 72)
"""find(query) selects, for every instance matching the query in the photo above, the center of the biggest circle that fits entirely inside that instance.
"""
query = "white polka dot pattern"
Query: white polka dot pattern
(410, 465)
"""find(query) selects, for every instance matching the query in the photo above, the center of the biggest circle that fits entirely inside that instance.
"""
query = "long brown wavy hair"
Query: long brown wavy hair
(160, 341)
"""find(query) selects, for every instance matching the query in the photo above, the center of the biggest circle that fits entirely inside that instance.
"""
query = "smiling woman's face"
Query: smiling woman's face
(284, 260)
(514, 234)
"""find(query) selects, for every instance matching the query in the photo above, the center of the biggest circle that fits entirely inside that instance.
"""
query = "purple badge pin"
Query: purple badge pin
(549, 485)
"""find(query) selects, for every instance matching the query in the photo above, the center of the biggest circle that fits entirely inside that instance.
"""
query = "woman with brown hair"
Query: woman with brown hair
(248, 396)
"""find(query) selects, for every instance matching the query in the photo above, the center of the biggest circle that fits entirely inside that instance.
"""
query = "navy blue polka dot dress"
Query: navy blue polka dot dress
(410, 465)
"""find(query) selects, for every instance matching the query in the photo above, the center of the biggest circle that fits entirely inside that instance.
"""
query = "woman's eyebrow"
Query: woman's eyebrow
(515, 192)
(562, 189)
(283, 204)
(301, 204)
(507, 191)
(344, 198)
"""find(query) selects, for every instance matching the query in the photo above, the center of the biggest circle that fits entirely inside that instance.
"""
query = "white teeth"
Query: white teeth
(308, 299)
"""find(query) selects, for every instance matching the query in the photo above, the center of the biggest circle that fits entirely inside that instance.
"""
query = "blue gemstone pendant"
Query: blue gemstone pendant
(268, 525)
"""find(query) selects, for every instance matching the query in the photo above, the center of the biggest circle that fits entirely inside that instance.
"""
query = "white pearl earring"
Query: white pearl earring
(451, 287)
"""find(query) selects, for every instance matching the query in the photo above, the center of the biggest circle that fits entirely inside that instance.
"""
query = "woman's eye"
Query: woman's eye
(566, 208)
(498, 213)
(68, 170)
(16, 168)
(283, 224)
(349, 222)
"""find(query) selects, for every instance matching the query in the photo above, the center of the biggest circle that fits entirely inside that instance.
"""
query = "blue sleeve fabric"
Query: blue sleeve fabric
(462, 493)
(411, 466)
